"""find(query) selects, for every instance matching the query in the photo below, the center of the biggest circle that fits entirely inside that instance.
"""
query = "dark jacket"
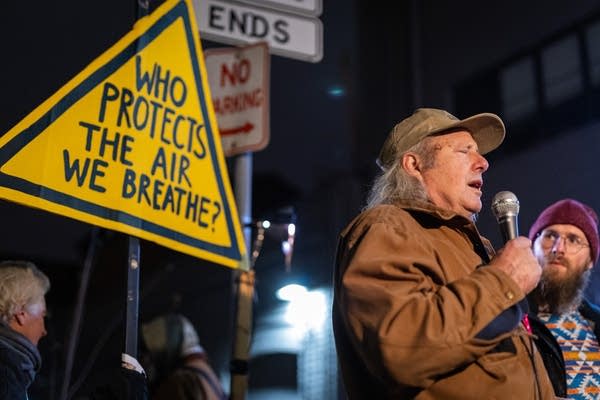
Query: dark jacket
(412, 297)
(550, 349)
(122, 384)
(19, 362)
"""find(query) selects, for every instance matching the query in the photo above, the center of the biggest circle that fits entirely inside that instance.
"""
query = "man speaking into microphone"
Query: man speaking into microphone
(424, 308)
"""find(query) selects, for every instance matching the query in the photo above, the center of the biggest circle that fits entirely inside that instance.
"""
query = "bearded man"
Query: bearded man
(567, 326)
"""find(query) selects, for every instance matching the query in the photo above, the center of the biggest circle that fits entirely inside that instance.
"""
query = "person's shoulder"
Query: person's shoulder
(10, 386)
(590, 310)
(384, 213)
(592, 305)
(179, 382)
(380, 220)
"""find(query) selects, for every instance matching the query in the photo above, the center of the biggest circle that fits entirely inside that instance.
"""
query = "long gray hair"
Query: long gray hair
(394, 184)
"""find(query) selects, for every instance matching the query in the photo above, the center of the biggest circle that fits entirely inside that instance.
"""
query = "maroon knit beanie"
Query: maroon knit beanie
(571, 212)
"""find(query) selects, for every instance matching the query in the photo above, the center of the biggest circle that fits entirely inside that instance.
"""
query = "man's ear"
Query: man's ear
(411, 164)
(20, 317)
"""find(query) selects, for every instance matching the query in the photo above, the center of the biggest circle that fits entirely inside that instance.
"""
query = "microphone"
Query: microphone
(505, 207)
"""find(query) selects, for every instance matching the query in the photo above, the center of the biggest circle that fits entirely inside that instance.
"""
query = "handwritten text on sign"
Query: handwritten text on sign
(153, 110)
(131, 144)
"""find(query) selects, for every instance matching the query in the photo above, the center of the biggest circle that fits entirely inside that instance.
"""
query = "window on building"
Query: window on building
(518, 89)
(561, 70)
(592, 42)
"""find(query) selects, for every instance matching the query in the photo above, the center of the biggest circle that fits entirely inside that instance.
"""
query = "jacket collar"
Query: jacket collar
(430, 208)
(24, 356)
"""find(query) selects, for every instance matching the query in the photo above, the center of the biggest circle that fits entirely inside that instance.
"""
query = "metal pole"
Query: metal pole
(244, 281)
(78, 312)
(243, 195)
(133, 294)
(142, 8)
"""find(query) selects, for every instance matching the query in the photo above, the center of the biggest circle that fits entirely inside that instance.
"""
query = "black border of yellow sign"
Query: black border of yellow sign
(231, 255)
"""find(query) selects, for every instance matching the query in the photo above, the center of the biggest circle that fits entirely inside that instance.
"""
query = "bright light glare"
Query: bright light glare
(308, 311)
(291, 229)
(291, 292)
(266, 224)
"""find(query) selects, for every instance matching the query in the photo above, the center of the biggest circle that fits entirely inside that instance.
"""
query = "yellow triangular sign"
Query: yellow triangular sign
(131, 144)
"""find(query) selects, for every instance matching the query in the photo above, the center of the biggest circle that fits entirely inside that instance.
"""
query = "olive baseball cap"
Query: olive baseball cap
(487, 130)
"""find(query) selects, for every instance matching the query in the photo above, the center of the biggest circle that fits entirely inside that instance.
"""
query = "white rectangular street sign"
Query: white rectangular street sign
(306, 7)
(239, 87)
(288, 35)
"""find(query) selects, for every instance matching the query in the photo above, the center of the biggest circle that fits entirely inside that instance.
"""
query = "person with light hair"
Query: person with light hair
(22, 311)
(424, 307)
(180, 369)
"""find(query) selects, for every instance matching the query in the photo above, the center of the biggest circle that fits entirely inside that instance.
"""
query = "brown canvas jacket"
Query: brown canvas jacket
(411, 293)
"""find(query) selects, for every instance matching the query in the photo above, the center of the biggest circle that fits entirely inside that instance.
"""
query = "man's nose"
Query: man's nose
(559, 245)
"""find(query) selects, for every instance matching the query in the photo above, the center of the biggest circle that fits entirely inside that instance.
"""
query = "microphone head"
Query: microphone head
(505, 204)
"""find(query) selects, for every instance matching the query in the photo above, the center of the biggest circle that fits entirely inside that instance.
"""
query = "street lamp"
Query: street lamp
(291, 292)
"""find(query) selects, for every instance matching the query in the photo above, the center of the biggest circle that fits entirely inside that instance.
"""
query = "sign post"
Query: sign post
(239, 81)
(133, 285)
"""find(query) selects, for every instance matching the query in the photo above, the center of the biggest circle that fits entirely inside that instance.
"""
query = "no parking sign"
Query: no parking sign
(239, 85)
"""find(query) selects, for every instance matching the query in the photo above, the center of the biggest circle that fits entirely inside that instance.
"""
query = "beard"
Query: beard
(561, 294)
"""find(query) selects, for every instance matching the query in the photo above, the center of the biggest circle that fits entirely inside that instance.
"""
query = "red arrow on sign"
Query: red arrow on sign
(246, 128)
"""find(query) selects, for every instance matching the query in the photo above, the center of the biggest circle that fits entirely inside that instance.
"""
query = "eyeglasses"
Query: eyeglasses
(571, 242)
